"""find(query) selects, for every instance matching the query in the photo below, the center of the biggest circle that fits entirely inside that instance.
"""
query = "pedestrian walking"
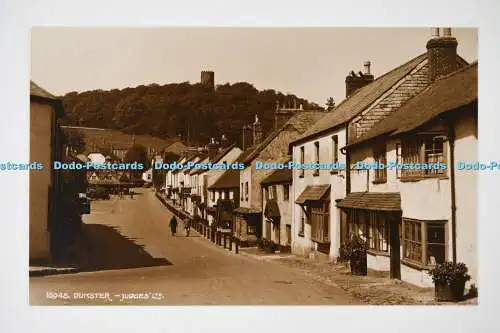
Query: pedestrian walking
(187, 226)
(173, 225)
(131, 194)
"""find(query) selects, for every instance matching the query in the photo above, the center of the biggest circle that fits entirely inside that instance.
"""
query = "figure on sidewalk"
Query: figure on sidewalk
(131, 194)
(187, 226)
(173, 225)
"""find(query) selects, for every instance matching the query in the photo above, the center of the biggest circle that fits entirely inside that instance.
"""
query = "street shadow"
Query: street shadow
(101, 247)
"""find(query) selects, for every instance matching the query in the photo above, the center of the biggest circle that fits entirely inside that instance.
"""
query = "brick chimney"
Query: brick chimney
(246, 140)
(441, 53)
(212, 148)
(257, 131)
(282, 115)
(355, 81)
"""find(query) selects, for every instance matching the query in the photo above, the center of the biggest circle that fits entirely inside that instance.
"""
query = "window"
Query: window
(379, 232)
(335, 151)
(286, 192)
(251, 229)
(302, 159)
(226, 195)
(371, 226)
(424, 242)
(379, 154)
(423, 150)
(274, 194)
(246, 191)
(316, 158)
(320, 217)
(241, 191)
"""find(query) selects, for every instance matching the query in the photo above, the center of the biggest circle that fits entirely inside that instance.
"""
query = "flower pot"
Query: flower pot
(359, 265)
(450, 293)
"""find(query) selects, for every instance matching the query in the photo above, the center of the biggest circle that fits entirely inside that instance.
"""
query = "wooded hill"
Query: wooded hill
(193, 111)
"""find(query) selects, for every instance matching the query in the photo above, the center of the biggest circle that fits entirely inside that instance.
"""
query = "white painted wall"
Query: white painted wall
(302, 245)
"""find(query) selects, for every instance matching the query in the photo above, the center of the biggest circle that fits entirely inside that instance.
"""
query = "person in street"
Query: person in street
(187, 226)
(131, 194)
(173, 225)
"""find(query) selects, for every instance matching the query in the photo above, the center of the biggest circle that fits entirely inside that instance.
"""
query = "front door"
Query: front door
(395, 247)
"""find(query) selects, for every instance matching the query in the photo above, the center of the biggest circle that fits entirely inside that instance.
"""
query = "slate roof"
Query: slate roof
(279, 176)
(36, 90)
(361, 99)
(229, 179)
(38, 93)
(312, 193)
(301, 121)
(388, 201)
(222, 153)
(447, 93)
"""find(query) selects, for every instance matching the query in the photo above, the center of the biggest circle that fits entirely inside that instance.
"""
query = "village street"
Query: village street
(127, 248)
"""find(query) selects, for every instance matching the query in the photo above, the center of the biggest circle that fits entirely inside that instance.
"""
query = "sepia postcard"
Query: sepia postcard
(253, 166)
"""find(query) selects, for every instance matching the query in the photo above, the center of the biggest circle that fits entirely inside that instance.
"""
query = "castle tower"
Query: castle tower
(208, 79)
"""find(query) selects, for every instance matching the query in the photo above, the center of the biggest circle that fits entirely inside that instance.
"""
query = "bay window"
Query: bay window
(424, 242)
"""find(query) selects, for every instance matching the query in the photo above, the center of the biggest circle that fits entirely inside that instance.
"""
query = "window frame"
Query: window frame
(316, 158)
(415, 150)
(380, 156)
(286, 192)
(335, 152)
(424, 244)
(246, 191)
(302, 158)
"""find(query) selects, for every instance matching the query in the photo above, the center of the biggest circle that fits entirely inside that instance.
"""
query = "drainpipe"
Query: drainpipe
(347, 163)
(451, 140)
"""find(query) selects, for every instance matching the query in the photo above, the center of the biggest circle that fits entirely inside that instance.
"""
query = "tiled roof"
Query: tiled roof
(229, 179)
(222, 153)
(301, 121)
(36, 90)
(448, 93)
(361, 99)
(278, 177)
(372, 201)
(312, 193)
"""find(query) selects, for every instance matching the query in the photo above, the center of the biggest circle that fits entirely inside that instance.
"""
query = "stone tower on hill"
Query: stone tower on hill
(208, 79)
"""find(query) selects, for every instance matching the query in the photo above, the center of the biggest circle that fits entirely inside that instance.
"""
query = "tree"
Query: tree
(330, 104)
(137, 153)
(75, 140)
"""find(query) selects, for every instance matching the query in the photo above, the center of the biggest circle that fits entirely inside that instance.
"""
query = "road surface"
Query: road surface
(131, 258)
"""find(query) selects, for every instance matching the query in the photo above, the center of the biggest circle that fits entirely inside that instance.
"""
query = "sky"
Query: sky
(311, 63)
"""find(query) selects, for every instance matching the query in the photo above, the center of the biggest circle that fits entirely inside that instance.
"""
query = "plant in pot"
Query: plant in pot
(354, 251)
(449, 281)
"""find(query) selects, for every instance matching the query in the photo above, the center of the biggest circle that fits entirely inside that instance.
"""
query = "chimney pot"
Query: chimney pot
(434, 32)
(446, 32)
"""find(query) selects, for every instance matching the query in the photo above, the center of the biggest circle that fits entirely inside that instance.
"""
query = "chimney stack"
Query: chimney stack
(354, 82)
(224, 142)
(246, 140)
(212, 149)
(441, 54)
(367, 68)
(257, 131)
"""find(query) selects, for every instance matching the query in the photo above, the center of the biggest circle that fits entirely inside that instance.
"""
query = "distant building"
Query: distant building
(208, 79)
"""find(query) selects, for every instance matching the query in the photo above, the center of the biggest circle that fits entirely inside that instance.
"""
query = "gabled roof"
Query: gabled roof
(36, 90)
(361, 99)
(40, 94)
(301, 121)
(229, 179)
(222, 153)
(447, 93)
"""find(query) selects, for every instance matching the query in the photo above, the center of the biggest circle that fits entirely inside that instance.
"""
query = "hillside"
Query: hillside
(192, 112)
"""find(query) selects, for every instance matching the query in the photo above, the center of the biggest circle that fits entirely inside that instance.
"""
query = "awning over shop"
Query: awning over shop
(247, 210)
(389, 201)
(195, 198)
(313, 193)
(272, 209)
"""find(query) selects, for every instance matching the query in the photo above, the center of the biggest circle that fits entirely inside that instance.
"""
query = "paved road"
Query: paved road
(131, 258)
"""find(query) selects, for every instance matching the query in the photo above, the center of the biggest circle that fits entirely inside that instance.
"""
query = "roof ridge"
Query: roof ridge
(455, 72)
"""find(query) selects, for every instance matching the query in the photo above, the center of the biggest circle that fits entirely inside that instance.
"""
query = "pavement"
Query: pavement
(127, 256)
